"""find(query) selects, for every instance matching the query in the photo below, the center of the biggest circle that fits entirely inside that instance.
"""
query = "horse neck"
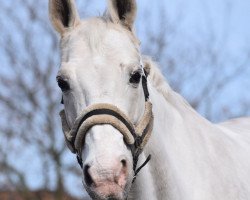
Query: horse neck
(169, 146)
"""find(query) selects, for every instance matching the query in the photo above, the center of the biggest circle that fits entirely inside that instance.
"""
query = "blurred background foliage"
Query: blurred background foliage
(201, 48)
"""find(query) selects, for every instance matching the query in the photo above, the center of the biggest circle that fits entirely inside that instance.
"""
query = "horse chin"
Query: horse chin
(108, 191)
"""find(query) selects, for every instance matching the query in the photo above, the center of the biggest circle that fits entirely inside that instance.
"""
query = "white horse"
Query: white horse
(192, 159)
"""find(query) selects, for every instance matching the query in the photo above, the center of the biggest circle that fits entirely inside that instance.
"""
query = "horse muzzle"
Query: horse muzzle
(108, 183)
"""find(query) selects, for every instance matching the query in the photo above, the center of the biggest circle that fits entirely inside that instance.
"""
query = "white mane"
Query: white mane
(159, 82)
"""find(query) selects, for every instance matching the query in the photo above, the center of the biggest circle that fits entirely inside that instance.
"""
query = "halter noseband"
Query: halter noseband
(135, 136)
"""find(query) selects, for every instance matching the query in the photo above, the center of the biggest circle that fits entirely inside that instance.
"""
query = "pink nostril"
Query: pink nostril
(87, 177)
(124, 163)
(121, 178)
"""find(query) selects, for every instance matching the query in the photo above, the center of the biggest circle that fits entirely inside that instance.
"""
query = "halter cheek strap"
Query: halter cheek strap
(135, 136)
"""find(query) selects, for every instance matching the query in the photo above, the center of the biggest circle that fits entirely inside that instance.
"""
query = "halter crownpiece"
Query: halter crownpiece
(135, 136)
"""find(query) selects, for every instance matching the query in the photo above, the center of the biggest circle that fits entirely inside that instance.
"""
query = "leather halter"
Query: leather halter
(135, 136)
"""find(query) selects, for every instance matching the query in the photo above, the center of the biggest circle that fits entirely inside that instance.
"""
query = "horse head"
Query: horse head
(107, 118)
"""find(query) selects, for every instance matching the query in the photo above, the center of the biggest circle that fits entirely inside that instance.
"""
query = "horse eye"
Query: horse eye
(135, 77)
(64, 85)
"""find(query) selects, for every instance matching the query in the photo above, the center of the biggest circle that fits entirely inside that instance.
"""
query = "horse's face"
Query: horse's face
(101, 64)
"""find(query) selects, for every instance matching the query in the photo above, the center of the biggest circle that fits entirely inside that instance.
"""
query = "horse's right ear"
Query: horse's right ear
(63, 15)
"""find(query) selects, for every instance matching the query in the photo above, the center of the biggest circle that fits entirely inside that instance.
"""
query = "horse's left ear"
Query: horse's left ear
(123, 12)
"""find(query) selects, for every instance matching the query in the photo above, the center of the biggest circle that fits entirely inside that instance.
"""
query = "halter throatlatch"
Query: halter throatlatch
(135, 135)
